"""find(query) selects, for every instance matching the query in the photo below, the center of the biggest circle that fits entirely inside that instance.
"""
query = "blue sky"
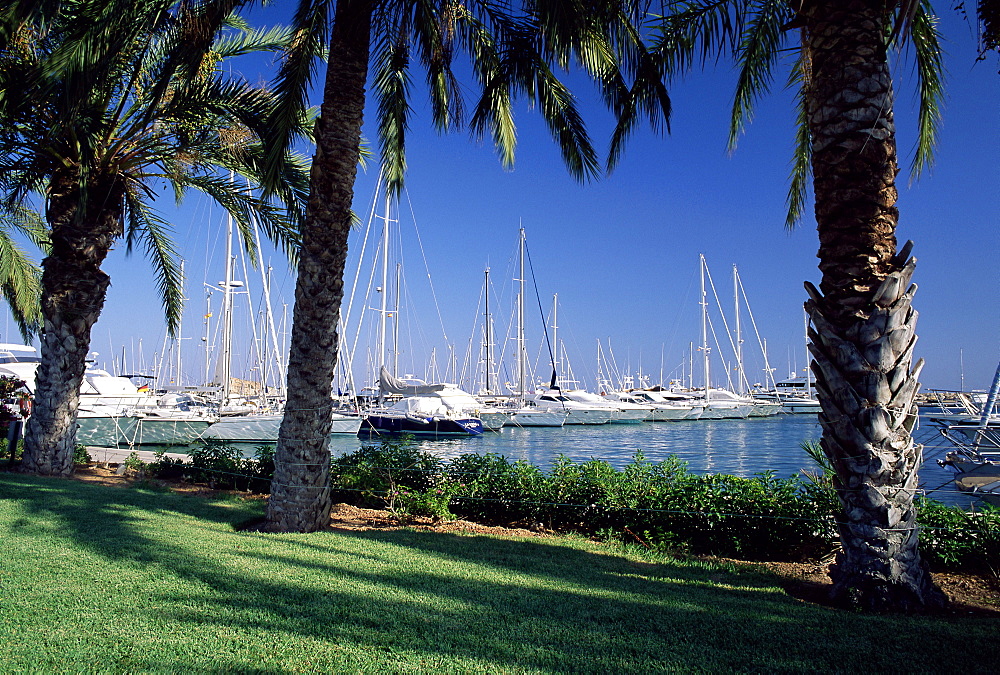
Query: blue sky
(622, 253)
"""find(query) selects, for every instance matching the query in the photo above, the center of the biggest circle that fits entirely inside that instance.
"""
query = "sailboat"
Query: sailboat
(523, 411)
(411, 405)
(719, 404)
(581, 407)
(242, 420)
(424, 409)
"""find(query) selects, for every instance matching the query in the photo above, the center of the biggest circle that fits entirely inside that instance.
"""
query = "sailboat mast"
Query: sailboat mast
(805, 318)
(395, 322)
(265, 280)
(488, 342)
(227, 314)
(704, 329)
(179, 333)
(380, 348)
(208, 334)
(520, 318)
(739, 336)
(555, 339)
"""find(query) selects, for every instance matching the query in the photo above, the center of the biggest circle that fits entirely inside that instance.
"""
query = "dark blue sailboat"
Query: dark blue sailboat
(424, 410)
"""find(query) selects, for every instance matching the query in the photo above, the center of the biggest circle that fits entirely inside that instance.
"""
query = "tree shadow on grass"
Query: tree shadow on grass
(417, 600)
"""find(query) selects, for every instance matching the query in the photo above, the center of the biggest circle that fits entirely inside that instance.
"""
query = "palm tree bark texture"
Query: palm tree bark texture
(863, 322)
(75, 290)
(300, 490)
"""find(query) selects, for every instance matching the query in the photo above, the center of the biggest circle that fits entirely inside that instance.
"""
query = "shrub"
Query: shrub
(167, 468)
(80, 454)
(133, 462)
(662, 504)
(496, 490)
(215, 462)
(953, 539)
(260, 469)
(432, 501)
(5, 453)
(370, 474)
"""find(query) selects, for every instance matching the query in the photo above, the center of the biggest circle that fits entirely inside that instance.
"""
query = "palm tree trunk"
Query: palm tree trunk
(863, 336)
(73, 292)
(300, 490)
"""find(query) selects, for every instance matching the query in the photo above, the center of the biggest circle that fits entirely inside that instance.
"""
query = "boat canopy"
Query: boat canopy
(393, 385)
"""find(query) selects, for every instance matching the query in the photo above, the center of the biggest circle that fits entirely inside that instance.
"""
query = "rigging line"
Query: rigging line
(346, 318)
(430, 281)
(729, 334)
(541, 312)
(760, 342)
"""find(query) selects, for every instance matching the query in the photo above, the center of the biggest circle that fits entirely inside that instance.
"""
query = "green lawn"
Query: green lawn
(96, 578)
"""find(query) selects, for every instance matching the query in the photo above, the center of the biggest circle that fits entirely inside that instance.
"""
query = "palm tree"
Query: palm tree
(104, 105)
(511, 49)
(862, 334)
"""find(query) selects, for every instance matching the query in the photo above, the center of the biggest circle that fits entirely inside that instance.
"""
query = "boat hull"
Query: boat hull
(264, 428)
(376, 423)
(537, 418)
(170, 431)
(106, 432)
(630, 416)
(115, 430)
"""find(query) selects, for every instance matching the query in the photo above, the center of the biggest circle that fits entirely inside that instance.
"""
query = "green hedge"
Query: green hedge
(659, 504)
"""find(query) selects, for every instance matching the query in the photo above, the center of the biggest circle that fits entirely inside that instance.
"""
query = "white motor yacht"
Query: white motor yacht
(722, 404)
(662, 409)
(622, 412)
(576, 412)
(527, 413)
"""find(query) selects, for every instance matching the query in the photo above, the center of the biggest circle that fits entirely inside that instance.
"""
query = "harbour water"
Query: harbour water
(737, 447)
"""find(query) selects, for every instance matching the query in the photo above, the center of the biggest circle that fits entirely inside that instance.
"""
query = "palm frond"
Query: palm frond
(647, 97)
(291, 87)
(515, 65)
(930, 69)
(144, 225)
(801, 172)
(697, 31)
(435, 37)
(392, 86)
(20, 283)
(252, 42)
(245, 208)
(757, 55)
(17, 215)
(493, 111)
(198, 25)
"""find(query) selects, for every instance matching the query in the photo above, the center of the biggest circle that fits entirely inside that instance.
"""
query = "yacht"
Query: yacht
(796, 395)
(667, 407)
(555, 400)
(423, 409)
(264, 427)
(722, 404)
(113, 410)
(622, 411)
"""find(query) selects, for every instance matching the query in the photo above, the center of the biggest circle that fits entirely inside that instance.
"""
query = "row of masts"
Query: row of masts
(388, 308)
(168, 369)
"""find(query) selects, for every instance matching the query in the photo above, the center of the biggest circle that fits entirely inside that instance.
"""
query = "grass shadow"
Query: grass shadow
(205, 597)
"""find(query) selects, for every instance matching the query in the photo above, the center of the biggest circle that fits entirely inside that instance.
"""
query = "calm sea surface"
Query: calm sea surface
(738, 447)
